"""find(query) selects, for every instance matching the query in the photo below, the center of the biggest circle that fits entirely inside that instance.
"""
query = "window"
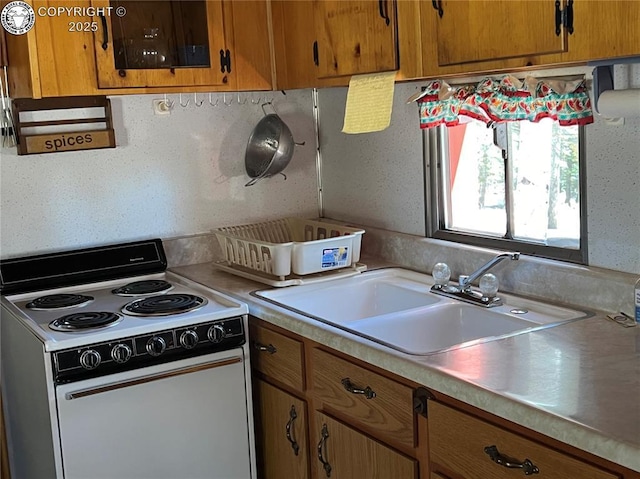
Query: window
(513, 185)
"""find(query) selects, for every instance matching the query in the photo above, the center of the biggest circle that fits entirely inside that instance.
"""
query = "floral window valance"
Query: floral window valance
(506, 99)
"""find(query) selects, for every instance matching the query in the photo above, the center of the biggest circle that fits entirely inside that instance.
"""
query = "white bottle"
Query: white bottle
(637, 298)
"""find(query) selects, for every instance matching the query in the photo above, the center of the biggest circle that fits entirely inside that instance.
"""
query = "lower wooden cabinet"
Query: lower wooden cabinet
(321, 415)
(350, 420)
(466, 447)
(346, 453)
(281, 432)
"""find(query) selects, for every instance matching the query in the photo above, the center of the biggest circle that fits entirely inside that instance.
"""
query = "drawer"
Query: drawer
(457, 442)
(277, 356)
(386, 410)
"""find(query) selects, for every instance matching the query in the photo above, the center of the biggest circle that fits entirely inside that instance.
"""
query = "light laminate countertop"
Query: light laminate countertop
(578, 382)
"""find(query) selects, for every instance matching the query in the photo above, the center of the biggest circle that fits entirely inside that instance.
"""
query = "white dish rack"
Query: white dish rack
(281, 252)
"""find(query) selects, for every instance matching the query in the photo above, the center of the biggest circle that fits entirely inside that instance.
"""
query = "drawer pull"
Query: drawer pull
(270, 348)
(367, 392)
(323, 442)
(292, 416)
(527, 466)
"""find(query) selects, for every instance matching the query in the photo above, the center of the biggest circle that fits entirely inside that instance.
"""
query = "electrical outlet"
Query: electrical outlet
(161, 107)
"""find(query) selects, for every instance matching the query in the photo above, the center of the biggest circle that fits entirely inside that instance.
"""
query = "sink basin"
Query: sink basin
(441, 327)
(364, 296)
(394, 307)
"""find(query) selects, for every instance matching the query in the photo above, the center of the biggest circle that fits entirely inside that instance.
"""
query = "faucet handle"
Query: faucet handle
(489, 285)
(441, 274)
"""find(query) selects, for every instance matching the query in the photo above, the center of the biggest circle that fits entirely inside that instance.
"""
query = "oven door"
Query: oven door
(184, 419)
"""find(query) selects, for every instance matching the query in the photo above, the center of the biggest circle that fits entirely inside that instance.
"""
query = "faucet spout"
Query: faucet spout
(465, 281)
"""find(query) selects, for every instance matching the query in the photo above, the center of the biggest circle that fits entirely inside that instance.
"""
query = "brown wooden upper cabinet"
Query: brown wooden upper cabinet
(55, 58)
(469, 36)
(606, 29)
(149, 43)
(355, 37)
(173, 46)
(303, 59)
(294, 38)
(479, 30)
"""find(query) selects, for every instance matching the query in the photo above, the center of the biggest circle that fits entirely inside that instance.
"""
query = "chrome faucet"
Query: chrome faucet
(464, 281)
(464, 292)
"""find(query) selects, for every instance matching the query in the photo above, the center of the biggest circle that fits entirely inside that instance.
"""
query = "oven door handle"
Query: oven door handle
(148, 379)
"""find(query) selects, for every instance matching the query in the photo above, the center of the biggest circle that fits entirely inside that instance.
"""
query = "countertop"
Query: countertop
(578, 382)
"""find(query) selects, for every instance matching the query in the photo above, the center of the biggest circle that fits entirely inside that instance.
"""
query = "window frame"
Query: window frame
(435, 149)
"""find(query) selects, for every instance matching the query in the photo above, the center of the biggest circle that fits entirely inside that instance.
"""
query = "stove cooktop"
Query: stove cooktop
(119, 308)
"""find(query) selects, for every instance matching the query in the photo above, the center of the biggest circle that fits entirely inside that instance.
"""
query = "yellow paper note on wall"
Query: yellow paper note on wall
(369, 102)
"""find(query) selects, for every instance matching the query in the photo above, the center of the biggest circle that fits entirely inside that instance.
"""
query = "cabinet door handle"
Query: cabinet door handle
(292, 417)
(558, 18)
(225, 61)
(105, 32)
(527, 466)
(323, 442)
(228, 60)
(568, 17)
(437, 5)
(349, 386)
(316, 59)
(384, 13)
(269, 348)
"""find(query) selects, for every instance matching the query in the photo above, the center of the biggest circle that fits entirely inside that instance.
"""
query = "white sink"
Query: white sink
(371, 294)
(394, 307)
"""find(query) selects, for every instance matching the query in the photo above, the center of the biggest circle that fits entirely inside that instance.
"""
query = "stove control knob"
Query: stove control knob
(90, 359)
(121, 353)
(216, 333)
(189, 339)
(156, 346)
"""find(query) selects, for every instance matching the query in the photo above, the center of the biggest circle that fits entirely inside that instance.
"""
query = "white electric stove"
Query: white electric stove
(113, 367)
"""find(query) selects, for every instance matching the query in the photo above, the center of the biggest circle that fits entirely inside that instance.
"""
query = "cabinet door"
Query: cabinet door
(281, 433)
(162, 43)
(66, 63)
(355, 37)
(478, 30)
(345, 453)
(293, 46)
(293, 37)
(56, 57)
(605, 29)
(252, 55)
